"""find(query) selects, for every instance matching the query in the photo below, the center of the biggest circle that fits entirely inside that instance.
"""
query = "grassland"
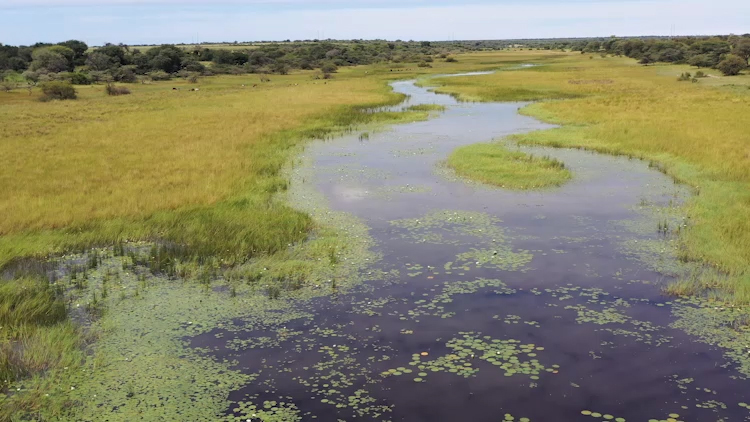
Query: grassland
(200, 169)
(495, 164)
(692, 131)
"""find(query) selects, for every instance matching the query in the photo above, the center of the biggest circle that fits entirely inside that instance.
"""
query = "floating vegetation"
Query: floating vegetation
(602, 416)
(723, 326)
(513, 357)
(449, 289)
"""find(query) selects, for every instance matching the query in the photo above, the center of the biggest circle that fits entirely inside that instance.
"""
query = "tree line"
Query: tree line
(729, 54)
(73, 61)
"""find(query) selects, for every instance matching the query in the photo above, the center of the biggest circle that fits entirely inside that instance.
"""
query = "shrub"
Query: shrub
(7, 84)
(125, 74)
(451, 60)
(193, 79)
(329, 68)
(80, 78)
(56, 90)
(700, 74)
(111, 89)
(423, 64)
(685, 77)
(732, 65)
(160, 75)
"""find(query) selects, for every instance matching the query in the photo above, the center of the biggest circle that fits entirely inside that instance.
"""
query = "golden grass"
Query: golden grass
(182, 165)
(694, 131)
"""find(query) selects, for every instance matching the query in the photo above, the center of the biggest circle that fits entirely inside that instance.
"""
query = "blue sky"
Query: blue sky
(177, 21)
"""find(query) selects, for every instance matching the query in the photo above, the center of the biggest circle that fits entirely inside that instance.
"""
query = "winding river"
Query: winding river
(489, 304)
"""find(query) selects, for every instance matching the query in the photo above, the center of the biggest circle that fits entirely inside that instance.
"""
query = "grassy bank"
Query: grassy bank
(691, 131)
(494, 164)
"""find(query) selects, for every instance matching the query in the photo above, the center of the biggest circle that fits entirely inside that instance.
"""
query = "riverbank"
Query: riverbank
(690, 131)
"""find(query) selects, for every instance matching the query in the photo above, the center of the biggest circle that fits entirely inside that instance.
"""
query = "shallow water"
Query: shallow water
(543, 305)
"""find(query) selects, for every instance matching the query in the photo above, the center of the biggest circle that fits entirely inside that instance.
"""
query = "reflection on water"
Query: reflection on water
(541, 306)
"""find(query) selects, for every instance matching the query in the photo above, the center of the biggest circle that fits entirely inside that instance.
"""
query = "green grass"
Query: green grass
(494, 164)
(36, 340)
(689, 131)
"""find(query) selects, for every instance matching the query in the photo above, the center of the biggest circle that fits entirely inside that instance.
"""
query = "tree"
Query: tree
(742, 49)
(702, 60)
(79, 49)
(732, 65)
(99, 61)
(45, 59)
(116, 52)
(167, 58)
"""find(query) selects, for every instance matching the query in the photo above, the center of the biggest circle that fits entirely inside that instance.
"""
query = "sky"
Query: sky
(136, 22)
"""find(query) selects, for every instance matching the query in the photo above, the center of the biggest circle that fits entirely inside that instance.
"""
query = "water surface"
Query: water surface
(499, 304)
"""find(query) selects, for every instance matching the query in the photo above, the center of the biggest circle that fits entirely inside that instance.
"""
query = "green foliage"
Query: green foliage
(80, 78)
(732, 65)
(100, 61)
(48, 60)
(56, 90)
(159, 75)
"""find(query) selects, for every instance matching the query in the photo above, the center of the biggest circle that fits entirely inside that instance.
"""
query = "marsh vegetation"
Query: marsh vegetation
(179, 236)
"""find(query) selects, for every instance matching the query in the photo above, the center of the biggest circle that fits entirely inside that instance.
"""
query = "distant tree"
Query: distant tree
(280, 67)
(732, 65)
(47, 60)
(702, 60)
(167, 58)
(100, 62)
(742, 49)
(116, 52)
(79, 49)
(646, 60)
(190, 64)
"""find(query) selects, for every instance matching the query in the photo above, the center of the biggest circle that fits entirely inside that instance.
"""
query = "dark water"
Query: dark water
(574, 271)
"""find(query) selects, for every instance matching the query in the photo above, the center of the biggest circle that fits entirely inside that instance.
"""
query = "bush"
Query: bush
(79, 78)
(193, 79)
(159, 75)
(451, 60)
(111, 89)
(685, 77)
(56, 90)
(125, 74)
(423, 64)
(329, 68)
(700, 74)
(732, 65)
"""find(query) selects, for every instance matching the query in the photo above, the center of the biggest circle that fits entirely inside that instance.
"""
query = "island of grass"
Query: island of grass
(494, 164)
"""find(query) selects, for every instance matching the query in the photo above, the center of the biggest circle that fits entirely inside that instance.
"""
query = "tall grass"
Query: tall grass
(692, 131)
(494, 164)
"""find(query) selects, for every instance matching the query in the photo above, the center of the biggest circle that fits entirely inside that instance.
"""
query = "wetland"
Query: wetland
(424, 291)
